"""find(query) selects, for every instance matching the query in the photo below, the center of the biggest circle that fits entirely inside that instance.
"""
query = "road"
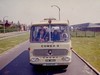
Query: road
(20, 66)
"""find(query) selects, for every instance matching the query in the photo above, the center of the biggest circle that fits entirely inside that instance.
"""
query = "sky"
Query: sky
(29, 11)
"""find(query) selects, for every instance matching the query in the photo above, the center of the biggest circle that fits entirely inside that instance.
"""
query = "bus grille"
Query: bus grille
(50, 52)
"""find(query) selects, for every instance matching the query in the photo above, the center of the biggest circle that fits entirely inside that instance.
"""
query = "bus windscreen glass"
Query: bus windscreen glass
(49, 33)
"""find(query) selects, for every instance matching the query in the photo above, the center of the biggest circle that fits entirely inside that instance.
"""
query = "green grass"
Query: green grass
(9, 43)
(88, 48)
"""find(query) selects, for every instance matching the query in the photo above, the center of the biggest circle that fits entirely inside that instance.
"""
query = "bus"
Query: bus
(50, 43)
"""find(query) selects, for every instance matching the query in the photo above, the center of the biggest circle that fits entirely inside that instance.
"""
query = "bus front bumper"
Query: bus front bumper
(51, 63)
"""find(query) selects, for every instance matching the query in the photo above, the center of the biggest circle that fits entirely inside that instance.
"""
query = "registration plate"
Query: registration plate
(50, 64)
(50, 60)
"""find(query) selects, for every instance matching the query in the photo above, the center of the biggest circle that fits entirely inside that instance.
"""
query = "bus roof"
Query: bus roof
(54, 22)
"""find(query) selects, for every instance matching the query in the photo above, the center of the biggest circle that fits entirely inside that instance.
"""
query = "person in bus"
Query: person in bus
(64, 35)
(55, 35)
(42, 28)
(40, 35)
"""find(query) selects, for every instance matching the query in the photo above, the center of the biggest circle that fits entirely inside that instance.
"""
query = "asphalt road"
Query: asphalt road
(20, 66)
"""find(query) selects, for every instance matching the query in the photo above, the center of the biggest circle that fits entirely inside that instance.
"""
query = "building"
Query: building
(87, 27)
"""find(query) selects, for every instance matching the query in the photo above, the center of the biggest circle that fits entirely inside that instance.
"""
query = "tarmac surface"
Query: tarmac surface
(19, 65)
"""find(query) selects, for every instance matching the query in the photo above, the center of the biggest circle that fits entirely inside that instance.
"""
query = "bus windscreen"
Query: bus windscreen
(49, 33)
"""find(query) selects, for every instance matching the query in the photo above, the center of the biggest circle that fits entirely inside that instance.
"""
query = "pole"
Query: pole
(58, 9)
(4, 23)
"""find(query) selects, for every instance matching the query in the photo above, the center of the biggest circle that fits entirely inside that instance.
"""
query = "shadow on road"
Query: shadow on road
(20, 66)
(48, 70)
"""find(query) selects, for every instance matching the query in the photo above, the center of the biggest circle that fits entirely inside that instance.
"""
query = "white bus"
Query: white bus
(50, 43)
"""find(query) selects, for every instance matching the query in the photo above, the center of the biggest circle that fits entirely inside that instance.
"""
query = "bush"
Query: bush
(9, 29)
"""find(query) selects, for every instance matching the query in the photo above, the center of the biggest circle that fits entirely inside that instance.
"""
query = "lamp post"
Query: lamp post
(58, 9)
(4, 22)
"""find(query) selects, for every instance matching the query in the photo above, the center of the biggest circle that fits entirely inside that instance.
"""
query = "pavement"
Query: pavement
(18, 64)
(9, 55)
(11, 34)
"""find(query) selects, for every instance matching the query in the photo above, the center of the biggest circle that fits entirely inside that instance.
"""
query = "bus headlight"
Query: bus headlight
(35, 59)
(65, 58)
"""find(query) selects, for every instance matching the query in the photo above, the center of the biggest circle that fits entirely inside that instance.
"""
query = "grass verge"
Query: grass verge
(9, 43)
(89, 49)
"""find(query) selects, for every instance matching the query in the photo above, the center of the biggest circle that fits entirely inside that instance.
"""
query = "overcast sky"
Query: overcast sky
(27, 11)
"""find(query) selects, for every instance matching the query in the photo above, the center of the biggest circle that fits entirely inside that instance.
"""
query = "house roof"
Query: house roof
(2, 23)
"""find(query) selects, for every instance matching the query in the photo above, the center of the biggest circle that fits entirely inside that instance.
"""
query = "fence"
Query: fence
(78, 33)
